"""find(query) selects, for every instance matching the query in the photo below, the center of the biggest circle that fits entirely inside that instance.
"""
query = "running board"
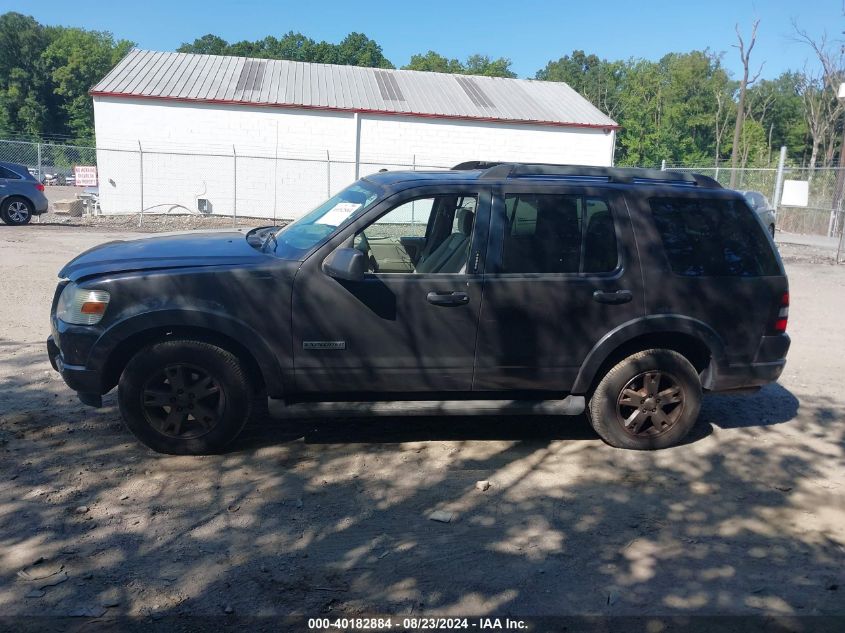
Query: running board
(570, 405)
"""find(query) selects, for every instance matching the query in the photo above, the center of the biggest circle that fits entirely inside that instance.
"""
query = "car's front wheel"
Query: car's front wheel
(185, 397)
(647, 401)
(16, 211)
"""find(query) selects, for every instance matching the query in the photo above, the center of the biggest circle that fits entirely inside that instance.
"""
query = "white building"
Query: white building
(271, 138)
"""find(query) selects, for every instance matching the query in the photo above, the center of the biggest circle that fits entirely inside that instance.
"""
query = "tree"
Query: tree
(434, 62)
(356, 49)
(745, 57)
(78, 59)
(778, 105)
(474, 65)
(26, 99)
(484, 65)
(822, 109)
(598, 80)
(206, 45)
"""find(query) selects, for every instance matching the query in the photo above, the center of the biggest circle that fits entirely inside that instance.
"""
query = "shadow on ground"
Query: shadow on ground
(332, 516)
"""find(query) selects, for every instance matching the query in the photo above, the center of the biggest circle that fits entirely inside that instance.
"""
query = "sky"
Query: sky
(529, 32)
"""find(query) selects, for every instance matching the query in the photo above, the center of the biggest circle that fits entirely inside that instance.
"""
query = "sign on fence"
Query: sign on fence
(85, 175)
(796, 193)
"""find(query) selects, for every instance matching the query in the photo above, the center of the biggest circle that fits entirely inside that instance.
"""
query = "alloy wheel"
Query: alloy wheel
(183, 401)
(17, 212)
(650, 404)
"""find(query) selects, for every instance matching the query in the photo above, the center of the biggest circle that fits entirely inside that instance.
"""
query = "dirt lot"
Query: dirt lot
(328, 517)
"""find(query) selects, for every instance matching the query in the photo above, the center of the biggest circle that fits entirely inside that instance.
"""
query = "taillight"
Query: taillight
(779, 326)
(39, 186)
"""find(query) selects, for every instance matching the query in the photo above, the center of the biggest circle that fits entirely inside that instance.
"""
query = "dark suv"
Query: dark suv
(622, 292)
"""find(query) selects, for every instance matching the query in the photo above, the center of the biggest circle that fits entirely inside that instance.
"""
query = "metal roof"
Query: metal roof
(283, 83)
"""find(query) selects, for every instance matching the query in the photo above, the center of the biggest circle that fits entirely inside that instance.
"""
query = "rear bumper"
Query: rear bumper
(41, 205)
(85, 382)
(767, 367)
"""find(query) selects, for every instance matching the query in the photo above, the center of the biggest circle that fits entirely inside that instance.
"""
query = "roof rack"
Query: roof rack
(622, 175)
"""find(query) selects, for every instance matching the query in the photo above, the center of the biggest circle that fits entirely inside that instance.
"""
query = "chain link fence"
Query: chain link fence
(51, 161)
(251, 183)
(169, 180)
(823, 214)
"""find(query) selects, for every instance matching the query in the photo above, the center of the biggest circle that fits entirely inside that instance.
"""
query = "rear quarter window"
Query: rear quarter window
(713, 238)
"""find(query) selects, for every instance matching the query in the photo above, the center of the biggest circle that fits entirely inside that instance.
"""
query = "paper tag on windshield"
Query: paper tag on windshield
(339, 213)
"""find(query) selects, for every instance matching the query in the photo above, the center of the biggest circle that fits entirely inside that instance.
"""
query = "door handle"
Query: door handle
(614, 298)
(448, 298)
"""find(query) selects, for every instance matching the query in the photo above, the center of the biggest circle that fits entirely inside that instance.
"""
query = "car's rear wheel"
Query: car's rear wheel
(647, 401)
(185, 397)
(16, 211)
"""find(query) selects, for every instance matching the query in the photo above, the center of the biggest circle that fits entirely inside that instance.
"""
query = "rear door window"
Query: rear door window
(555, 233)
(8, 174)
(713, 238)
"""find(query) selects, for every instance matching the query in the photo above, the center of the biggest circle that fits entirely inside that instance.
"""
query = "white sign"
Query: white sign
(339, 213)
(85, 175)
(796, 193)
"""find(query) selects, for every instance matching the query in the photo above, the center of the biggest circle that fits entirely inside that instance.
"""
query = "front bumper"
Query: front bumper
(84, 381)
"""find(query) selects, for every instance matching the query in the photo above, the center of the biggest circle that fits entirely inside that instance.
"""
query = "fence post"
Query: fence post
(413, 162)
(328, 175)
(357, 118)
(235, 193)
(779, 179)
(276, 175)
(663, 165)
(40, 175)
(141, 161)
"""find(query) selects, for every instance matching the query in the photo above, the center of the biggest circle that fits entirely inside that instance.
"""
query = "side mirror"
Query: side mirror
(349, 264)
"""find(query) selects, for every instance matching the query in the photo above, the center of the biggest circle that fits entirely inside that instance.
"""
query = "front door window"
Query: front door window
(425, 235)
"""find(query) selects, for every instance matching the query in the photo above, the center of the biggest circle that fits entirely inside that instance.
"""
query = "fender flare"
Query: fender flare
(214, 323)
(654, 324)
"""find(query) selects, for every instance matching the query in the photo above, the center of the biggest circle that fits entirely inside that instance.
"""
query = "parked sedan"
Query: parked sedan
(21, 195)
(760, 204)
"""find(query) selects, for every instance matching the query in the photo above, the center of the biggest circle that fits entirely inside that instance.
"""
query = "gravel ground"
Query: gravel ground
(150, 223)
(331, 517)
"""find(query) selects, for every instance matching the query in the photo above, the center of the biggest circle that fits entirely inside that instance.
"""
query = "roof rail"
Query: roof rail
(623, 175)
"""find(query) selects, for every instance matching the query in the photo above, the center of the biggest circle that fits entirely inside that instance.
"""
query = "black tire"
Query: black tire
(653, 417)
(206, 420)
(16, 211)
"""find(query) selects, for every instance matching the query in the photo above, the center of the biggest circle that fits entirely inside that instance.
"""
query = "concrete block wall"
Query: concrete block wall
(188, 152)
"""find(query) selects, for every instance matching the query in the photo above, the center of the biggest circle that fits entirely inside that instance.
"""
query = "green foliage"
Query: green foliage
(598, 80)
(25, 94)
(356, 49)
(679, 109)
(45, 75)
(434, 62)
(206, 45)
(78, 60)
(474, 65)
(682, 108)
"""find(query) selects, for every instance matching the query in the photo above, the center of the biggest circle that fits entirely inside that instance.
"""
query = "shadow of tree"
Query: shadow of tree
(332, 516)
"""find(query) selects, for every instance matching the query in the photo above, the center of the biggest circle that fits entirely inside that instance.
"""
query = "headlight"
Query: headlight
(79, 306)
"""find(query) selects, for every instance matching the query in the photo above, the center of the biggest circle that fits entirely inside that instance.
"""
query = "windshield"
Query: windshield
(297, 238)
